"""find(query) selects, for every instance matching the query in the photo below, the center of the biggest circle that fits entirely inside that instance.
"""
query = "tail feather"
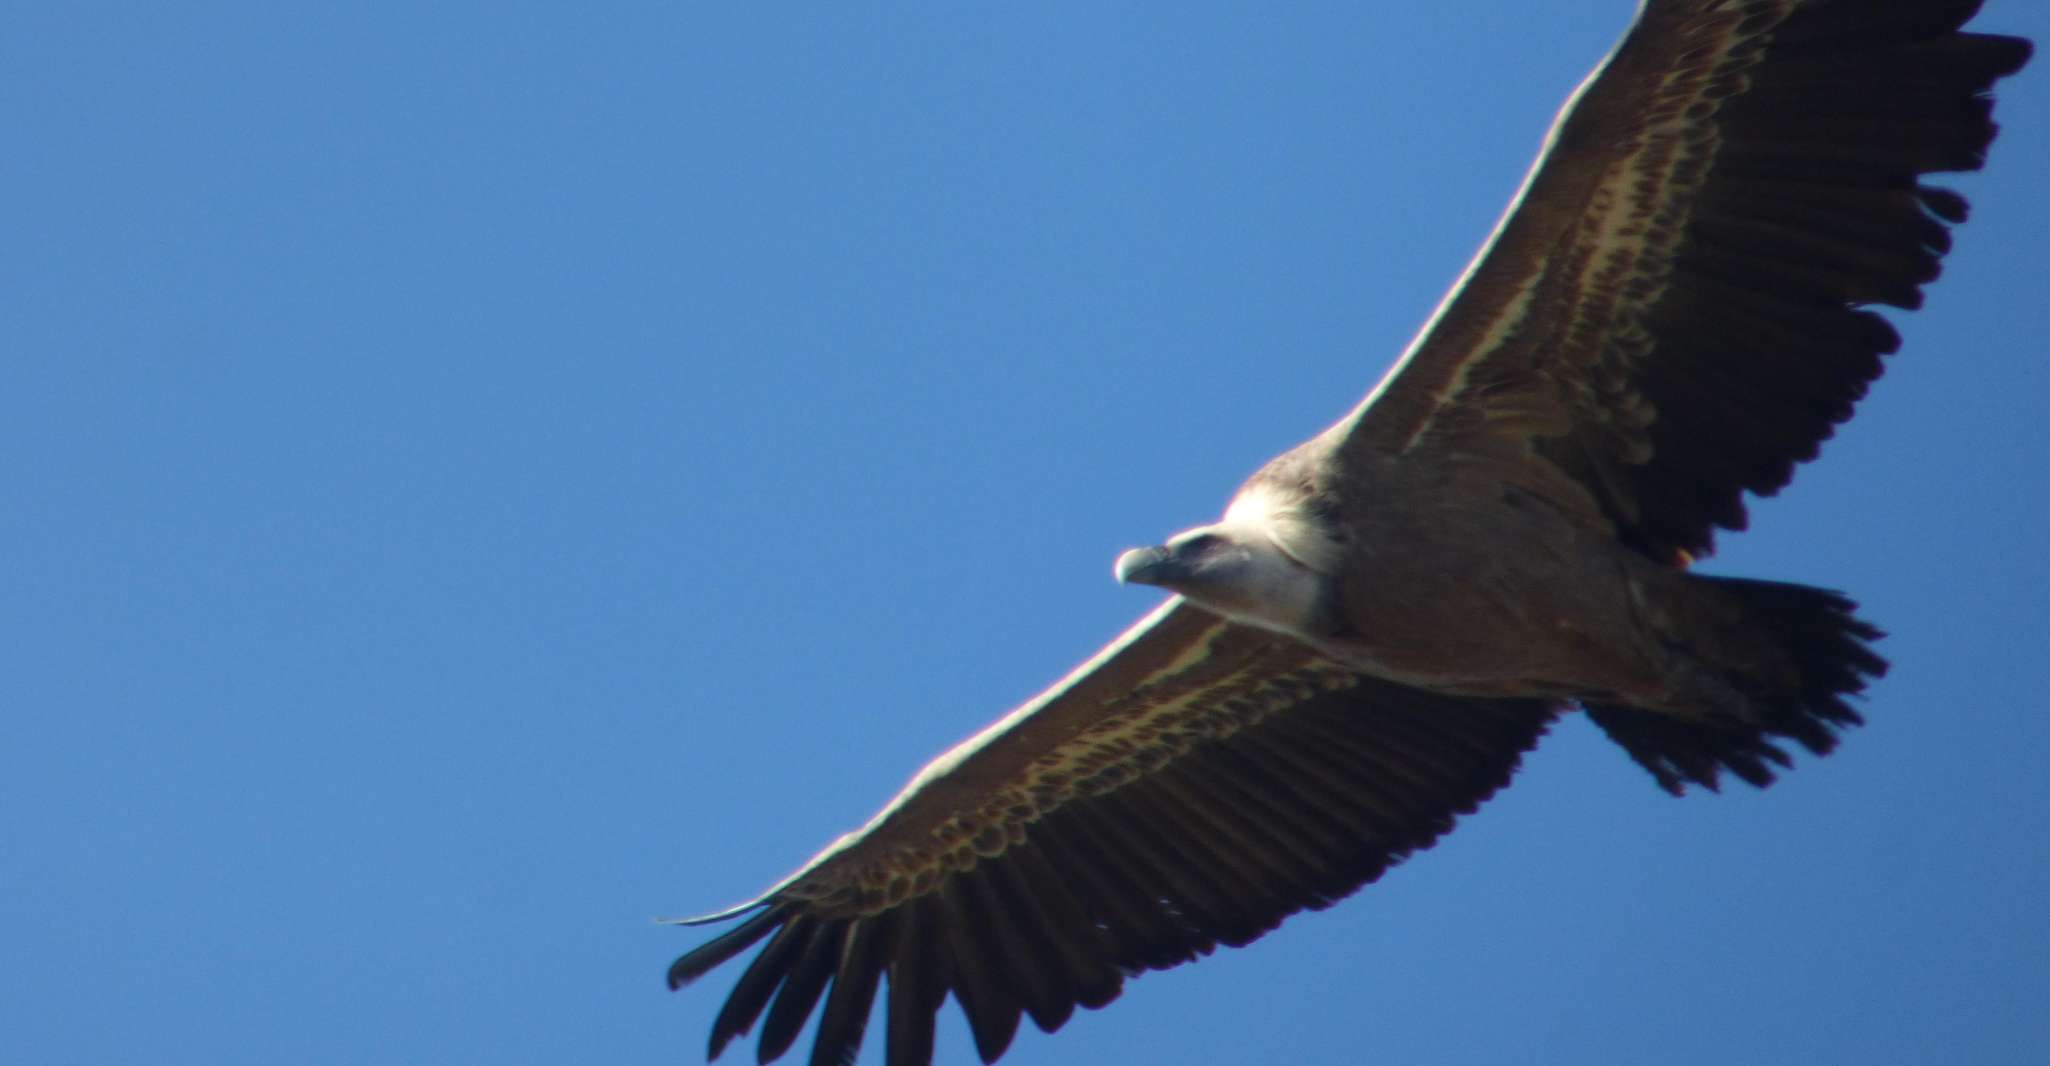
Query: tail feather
(1818, 633)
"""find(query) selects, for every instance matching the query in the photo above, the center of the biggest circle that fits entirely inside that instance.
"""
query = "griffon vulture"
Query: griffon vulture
(1671, 313)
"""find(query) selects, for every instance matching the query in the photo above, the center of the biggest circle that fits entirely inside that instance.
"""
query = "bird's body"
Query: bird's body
(1673, 313)
(1422, 593)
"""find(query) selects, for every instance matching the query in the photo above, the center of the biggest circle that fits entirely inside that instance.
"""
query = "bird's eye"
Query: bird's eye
(1197, 545)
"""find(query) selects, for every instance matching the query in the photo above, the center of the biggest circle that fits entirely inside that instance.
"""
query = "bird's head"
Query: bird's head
(1238, 567)
(1206, 555)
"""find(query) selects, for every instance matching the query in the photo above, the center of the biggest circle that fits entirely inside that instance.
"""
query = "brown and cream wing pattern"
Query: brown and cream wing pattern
(1674, 309)
(1192, 786)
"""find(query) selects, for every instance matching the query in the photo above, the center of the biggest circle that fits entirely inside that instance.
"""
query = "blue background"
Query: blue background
(479, 477)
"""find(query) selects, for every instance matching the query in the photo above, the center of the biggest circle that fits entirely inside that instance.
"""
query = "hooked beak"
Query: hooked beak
(1148, 566)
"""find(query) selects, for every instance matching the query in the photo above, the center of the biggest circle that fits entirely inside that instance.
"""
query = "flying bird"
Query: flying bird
(1673, 312)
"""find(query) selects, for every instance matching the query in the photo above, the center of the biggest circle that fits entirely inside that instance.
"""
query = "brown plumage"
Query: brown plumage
(1672, 314)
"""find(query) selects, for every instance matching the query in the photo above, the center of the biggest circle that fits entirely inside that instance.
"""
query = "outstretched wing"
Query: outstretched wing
(1192, 785)
(1670, 313)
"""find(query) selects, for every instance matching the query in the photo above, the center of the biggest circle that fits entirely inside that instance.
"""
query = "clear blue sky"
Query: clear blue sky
(480, 477)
